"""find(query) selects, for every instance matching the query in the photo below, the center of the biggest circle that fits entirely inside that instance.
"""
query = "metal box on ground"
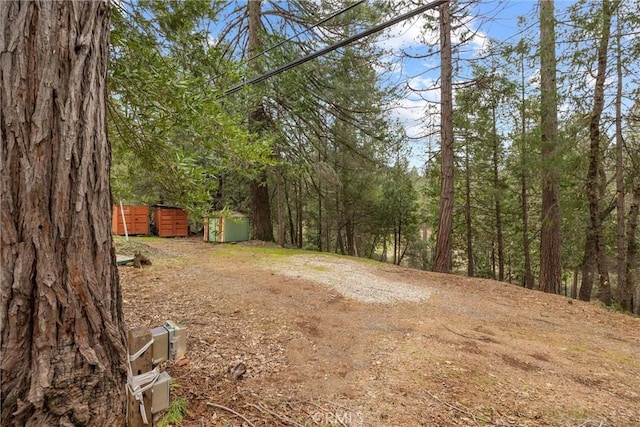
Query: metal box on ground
(160, 347)
(177, 340)
(160, 393)
(169, 342)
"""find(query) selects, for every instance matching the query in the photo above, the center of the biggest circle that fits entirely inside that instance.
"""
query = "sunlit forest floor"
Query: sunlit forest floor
(338, 341)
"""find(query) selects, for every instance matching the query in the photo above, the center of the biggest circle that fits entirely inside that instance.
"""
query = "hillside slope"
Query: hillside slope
(330, 340)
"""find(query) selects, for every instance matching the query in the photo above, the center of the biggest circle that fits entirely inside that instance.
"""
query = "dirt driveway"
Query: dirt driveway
(337, 341)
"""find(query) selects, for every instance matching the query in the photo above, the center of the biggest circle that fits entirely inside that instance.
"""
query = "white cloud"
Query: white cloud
(407, 34)
(424, 30)
(419, 110)
(409, 111)
(412, 112)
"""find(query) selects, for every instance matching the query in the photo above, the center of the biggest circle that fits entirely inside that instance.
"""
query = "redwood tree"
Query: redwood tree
(258, 122)
(63, 342)
(442, 257)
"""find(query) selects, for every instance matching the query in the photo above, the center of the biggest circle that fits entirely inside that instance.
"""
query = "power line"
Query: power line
(337, 45)
(328, 18)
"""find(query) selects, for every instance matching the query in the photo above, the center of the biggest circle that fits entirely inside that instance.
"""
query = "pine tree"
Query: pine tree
(550, 263)
(443, 251)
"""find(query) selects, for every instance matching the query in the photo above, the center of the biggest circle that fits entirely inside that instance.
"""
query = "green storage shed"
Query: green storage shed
(230, 227)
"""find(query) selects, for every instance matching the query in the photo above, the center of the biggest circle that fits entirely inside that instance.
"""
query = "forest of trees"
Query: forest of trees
(537, 184)
(531, 172)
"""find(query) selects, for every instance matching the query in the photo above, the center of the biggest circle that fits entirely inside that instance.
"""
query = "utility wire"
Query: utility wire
(328, 18)
(337, 45)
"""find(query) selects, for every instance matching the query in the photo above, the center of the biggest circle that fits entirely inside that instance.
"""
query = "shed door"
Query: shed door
(172, 222)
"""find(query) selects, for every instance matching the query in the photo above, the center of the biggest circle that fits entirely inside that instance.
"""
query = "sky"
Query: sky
(494, 20)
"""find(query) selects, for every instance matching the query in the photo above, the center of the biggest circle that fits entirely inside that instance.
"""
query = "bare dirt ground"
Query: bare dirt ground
(337, 341)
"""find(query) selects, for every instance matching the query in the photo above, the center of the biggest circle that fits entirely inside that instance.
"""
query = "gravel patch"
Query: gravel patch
(350, 279)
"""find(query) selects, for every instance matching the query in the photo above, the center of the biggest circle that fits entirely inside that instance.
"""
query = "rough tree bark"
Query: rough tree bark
(299, 213)
(497, 192)
(526, 246)
(625, 289)
(588, 270)
(594, 229)
(550, 263)
(471, 269)
(632, 245)
(529, 281)
(320, 219)
(442, 256)
(280, 207)
(350, 229)
(574, 283)
(262, 227)
(63, 340)
(292, 227)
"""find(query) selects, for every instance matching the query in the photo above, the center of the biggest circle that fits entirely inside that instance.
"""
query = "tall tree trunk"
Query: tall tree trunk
(529, 281)
(632, 245)
(319, 218)
(299, 212)
(262, 227)
(400, 255)
(339, 241)
(594, 232)
(493, 259)
(498, 207)
(574, 285)
(218, 198)
(383, 257)
(624, 288)
(395, 242)
(320, 208)
(261, 224)
(588, 269)
(442, 256)
(550, 263)
(280, 207)
(63, 342)
(467, 214)
(351, 235)
(526, 245)
(327, 233)
(292, 227)
(374, 244)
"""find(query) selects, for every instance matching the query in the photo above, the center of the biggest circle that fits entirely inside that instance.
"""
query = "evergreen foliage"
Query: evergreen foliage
(338, 169)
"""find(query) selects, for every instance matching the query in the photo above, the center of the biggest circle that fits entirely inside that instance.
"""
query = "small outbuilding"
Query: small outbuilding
(134, 217)
(170, 221)
(230, 227)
